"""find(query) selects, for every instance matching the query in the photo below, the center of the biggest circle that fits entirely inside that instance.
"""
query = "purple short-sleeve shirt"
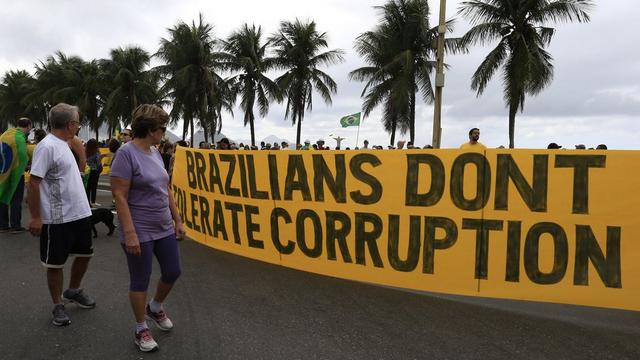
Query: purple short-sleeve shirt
(148, 195)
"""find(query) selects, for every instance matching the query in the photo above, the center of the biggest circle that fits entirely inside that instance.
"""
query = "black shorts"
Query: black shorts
(58, 241)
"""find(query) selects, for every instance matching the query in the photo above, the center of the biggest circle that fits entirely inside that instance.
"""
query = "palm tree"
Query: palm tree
(399, 52)
(130, 83)
(86, 88)
(14, 88)
(519, 27)
(190, 75)
(384, 82)
(70, 79)
(247, 54)
(297, 48)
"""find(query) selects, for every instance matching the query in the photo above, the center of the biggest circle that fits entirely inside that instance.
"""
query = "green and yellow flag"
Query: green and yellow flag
(13, 160)
(350, 120)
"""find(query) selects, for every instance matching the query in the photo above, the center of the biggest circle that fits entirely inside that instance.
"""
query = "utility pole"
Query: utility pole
(437, 108)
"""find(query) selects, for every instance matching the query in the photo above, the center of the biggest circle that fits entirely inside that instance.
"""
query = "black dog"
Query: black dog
(104, 216)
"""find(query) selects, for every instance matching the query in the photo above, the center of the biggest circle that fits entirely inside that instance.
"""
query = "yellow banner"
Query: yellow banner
(554, 226)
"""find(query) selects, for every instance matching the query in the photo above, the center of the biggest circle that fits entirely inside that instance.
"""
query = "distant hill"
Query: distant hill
(272, 138)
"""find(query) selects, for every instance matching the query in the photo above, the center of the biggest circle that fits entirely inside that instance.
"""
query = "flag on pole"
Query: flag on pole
(13, 160)
(350, 120)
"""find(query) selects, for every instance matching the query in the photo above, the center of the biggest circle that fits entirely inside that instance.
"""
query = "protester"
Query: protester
(125, 136)
(204, 145)
(473, 144)
(223, 144)
(113, 145)
(366, 144)
(60, 214)
(167, 154)
(94, 161)
(554, 146)
(78, 152)
(149, 220)
(38, 135)
(181, 143)
(601, 147)
(581, 147)
(13, 145)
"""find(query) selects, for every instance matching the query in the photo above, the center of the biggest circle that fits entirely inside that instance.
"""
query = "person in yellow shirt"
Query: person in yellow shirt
(473, 144)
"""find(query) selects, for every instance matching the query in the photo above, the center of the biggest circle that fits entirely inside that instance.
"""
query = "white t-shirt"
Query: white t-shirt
(62, 195)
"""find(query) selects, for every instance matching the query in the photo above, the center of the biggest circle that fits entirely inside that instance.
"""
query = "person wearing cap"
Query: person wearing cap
(581, 147)
(473, 144)
(320, 144)
(554, 146)
(307, 145)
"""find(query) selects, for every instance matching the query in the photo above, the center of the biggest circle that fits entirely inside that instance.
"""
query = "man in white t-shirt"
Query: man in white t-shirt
(60, 212)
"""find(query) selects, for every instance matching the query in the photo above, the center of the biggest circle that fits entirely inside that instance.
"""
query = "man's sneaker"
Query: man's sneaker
(145, 341)
(160, 318)
(60, 317)
(80, 298)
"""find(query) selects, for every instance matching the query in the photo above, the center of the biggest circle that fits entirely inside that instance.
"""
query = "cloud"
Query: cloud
(593, 97)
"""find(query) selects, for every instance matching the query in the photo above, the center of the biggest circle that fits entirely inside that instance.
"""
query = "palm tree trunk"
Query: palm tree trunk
(191, 132)
(513, 109)
(299, 132)
(253, 135)
(412, 112)
(393, 133)
(185, 127)
(205, 130)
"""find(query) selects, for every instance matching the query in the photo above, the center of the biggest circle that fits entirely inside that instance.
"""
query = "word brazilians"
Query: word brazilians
(332, 228)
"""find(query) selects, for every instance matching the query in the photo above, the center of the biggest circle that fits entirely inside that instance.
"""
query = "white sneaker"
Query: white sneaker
(145, 341)
(160, 318)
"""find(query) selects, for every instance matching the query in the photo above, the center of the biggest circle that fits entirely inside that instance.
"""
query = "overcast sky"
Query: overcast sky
(594, 97)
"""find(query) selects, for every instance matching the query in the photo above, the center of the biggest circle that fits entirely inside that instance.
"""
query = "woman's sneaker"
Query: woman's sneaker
(145, 341)
(60, 317)
(160, 318)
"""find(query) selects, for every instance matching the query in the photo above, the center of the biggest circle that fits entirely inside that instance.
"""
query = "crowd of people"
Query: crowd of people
(62, 188)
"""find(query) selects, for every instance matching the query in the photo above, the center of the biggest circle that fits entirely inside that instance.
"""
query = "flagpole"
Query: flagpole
(358, 133)
(437, 106)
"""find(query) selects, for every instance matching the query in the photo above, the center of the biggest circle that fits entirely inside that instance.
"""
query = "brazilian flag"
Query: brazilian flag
(350, 120)
(13, 160)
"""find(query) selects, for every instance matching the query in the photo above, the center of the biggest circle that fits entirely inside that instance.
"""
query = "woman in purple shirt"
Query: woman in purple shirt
(149, 220)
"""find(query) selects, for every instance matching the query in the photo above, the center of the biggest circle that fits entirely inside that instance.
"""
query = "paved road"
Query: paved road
(227, 307)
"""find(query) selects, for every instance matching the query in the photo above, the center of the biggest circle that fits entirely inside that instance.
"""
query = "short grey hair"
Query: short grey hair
(62, 114)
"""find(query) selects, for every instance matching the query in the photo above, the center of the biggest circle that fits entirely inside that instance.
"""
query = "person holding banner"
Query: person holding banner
(150, 223)
(473, 144)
